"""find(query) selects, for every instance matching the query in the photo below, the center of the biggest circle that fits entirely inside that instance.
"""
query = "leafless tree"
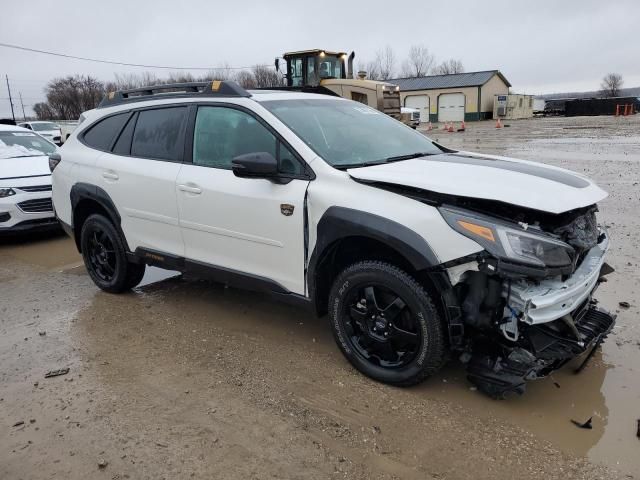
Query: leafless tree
(266, 76)
(370, 68)
(449, 67)
(611, 85)
(246, 79)
(419, 62)
(68, 97)
(43, 112)
(384, 64)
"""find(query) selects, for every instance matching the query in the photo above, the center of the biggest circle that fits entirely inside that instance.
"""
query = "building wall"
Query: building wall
(478, 100)
(495, 86)
(518, 106)
(470, 100)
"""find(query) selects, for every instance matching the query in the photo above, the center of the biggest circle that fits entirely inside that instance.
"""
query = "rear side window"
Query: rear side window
(103, 133)
(159, 134)
(123, 144)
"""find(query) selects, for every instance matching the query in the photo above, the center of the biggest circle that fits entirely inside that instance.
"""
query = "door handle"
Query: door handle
(190, 189)
(110, 175)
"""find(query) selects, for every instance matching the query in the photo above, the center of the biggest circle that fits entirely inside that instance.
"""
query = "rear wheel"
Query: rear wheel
(385, 323)
(105, 256)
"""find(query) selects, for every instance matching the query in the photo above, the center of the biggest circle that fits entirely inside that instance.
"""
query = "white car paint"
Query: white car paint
(236, 222)
(23, 175)
(443, 174)
(53, 135)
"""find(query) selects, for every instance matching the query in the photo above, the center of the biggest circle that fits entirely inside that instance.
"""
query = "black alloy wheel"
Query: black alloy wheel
(381, 327)
(105, 256)
(386, 324)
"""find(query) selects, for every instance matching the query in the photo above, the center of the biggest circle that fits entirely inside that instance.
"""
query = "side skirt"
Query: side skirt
(219, 274)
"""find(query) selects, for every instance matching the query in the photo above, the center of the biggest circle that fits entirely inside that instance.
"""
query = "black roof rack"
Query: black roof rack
(215, 88)
(302, 88)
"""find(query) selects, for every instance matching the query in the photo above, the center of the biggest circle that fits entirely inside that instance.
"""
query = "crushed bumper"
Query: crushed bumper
(547, 350)
(554, 298)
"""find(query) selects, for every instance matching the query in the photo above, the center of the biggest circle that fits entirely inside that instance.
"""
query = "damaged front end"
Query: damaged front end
(526, 304)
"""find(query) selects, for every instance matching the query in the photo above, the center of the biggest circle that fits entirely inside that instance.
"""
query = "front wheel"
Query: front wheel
(105, 256)
(385, 323)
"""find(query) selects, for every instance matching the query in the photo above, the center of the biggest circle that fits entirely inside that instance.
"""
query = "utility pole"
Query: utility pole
(10, 101)
(24, 115)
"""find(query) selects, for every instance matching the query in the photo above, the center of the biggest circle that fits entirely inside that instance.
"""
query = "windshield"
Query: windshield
(39, 127)
(23, 144)
(348, 134)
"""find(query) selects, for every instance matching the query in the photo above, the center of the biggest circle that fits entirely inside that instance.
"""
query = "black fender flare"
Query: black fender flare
(341, 222)
(87, 191)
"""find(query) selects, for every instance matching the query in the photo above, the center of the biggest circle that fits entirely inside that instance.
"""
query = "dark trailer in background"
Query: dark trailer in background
(601, 106)
(555, 106)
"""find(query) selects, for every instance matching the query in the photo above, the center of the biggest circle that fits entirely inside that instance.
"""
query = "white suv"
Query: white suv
(415, 251)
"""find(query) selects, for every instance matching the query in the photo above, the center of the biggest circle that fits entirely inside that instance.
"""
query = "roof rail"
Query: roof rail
(215, 88)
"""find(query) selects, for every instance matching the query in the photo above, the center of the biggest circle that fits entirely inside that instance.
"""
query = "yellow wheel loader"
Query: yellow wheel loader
(321, 71)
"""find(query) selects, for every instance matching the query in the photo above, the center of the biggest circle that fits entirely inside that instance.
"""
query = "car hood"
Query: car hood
(517, 182)
(24, 167)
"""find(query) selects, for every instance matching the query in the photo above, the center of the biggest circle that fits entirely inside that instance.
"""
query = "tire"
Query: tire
(105, 256)
(394, 336)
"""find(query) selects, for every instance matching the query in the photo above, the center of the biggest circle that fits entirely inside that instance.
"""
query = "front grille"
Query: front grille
(35, 188)
(37, 205)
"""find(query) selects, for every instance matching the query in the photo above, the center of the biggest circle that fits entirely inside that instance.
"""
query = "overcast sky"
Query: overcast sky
(541, 47)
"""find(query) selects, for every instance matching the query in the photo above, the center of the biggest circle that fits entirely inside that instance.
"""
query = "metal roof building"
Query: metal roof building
(455, 97)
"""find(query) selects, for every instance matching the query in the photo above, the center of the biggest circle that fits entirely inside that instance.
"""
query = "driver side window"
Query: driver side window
(222, 133)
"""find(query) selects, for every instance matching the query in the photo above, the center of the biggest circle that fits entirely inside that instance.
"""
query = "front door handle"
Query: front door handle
(190, 188)
(110, 175)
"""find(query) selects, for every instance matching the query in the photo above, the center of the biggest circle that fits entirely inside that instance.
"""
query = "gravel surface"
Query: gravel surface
(188, 379)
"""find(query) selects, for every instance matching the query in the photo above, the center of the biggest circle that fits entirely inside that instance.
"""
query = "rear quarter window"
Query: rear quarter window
(101, 135)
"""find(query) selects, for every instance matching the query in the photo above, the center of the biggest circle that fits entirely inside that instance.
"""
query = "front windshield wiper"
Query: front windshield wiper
(382, 162)
(408, 156)
(344, 166)
(23, 156)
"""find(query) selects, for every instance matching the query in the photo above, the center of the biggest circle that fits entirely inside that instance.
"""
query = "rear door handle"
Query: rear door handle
(190, 188)
(109, 175)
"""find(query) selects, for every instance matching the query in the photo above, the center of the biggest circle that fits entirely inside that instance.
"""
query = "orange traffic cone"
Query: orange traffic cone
(445, 126)
(462, 127)
(430, 127)
(498, 124)
(450, 129)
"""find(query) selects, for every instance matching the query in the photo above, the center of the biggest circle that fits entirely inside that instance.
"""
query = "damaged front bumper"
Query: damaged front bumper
(541, 351)
(547, 323)
(554, 298)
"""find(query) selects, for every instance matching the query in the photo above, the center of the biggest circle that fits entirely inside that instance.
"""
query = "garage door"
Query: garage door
(420, 102)
(451, 107)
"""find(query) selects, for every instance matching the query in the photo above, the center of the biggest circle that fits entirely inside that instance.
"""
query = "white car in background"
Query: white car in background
(49, 130)
(25, 181)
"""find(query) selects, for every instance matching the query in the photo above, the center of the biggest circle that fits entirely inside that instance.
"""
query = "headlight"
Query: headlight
(508, 241)
(6, 192)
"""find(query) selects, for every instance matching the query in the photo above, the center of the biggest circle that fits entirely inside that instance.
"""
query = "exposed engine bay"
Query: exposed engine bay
(526, 303)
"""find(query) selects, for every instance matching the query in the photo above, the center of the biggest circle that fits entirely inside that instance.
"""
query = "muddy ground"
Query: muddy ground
(188, 379)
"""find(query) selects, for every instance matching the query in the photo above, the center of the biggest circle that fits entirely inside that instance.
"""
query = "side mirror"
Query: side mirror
(255, 165)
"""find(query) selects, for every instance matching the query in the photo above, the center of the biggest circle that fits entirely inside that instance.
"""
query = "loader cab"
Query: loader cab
(308, 68)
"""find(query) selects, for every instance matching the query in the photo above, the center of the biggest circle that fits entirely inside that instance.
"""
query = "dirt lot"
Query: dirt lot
(188, 379)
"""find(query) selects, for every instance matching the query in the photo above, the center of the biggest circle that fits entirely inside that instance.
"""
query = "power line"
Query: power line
(87, 59)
